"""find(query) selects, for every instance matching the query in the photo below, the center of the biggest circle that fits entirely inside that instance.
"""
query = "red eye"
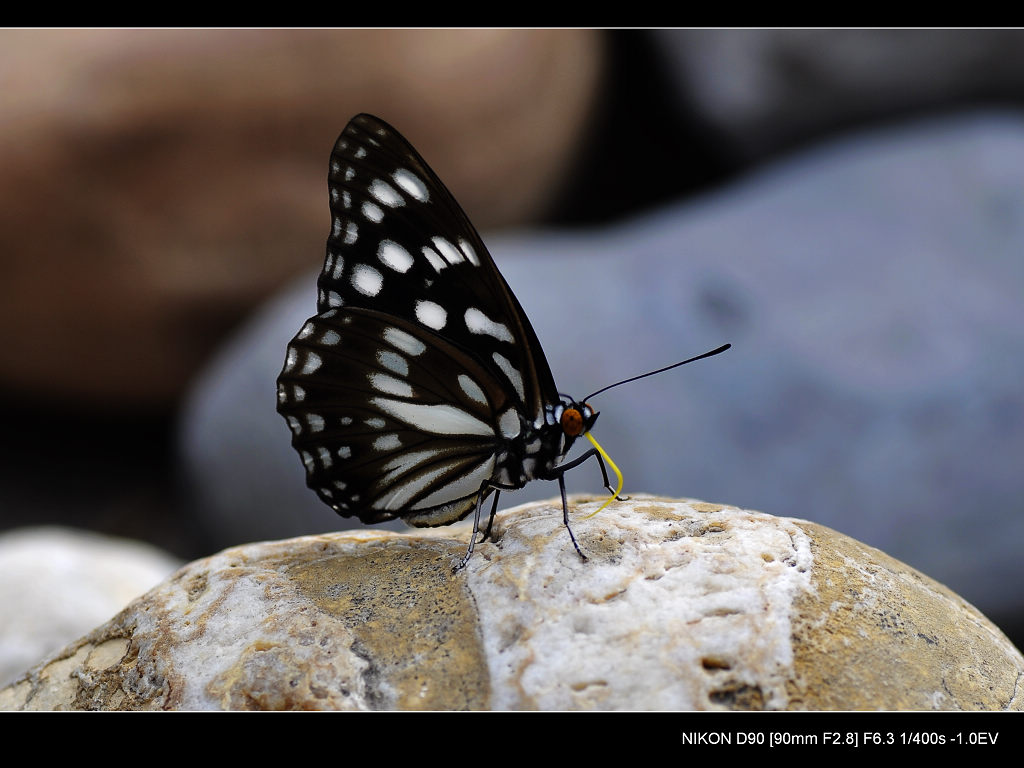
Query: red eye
(572, 422)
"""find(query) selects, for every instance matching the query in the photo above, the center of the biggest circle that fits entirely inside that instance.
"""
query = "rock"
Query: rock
(682, 605)
(762, 91)
(56, 583)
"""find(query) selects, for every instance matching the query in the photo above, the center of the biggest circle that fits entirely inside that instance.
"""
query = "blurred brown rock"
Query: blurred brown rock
(157, 184)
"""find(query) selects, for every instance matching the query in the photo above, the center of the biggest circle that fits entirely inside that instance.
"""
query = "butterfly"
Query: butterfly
(419, 387)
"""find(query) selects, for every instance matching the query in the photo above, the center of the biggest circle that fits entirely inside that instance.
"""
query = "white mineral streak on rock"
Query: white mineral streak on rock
(256, 627)
(671, 605)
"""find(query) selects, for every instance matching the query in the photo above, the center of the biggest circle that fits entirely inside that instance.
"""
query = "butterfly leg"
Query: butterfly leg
(565, 515)
(600, 462)
(476, 526)
(604, 474)
(490, 520)
(498, 488)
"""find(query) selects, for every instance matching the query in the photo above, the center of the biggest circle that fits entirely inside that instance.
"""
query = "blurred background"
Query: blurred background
(846, 207)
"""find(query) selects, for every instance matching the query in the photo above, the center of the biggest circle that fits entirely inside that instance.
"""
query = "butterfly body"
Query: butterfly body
(419, 387)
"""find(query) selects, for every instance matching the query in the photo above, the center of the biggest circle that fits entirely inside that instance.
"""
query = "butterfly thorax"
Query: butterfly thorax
(537, 448)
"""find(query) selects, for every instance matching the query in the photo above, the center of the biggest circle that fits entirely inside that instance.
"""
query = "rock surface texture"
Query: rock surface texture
(681, 605)
(56, 583)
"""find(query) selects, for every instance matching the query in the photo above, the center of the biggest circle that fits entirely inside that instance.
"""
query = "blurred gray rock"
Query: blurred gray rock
(765, 90)
(872, 289)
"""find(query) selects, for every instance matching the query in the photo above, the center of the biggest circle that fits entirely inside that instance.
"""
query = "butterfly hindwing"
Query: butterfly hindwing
(389, 419)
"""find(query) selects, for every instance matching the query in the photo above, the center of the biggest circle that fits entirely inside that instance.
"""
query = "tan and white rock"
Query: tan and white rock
(682, 605)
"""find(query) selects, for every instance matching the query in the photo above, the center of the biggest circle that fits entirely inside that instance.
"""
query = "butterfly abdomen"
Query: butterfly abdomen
(529, 450)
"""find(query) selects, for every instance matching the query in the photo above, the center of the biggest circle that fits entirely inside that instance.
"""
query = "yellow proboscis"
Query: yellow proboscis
(615, 469)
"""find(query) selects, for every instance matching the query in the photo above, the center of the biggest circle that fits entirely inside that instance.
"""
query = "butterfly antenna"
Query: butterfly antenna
(712, 353)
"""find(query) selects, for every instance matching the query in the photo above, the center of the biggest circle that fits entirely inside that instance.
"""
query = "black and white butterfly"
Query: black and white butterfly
(419, 387)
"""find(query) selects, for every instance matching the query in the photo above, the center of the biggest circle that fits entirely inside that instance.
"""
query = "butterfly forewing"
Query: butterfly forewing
(401, 244)
(403, 392)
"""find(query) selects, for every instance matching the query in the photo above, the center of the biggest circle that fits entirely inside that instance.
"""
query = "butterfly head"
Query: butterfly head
(576, 419)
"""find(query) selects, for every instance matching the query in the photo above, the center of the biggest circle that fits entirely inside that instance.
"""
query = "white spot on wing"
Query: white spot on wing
(438, 419)
(412, 184)
(472, 389)
(339, 266)
(313, 362)
(290, 359)
(406, 463)
(389, 385)
(470, 253)
(394, 256)
(298, 393)
(315, 421)
(401, 493)
(330, 337)
(375, 423)
(307, 329)
(385, 194)
(431, 315)
(372, 212)
(344, 452)
(478, 322)
(334, 299)
(509, 424)
(325, 457)
(451, 254)
(513, 375)
(393, 362)
(434, 258)
(404, 341)
(367, 280)
(466, 484)
(294, 425)
(389, 442)
(351, 233)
